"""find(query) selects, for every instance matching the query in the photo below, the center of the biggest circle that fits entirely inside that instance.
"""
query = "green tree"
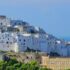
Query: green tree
(44, 69)
(12, 61)
(1, 65)
(13, 64)
(9, 68)
(17, 65)
(30, 66)
(24, 67)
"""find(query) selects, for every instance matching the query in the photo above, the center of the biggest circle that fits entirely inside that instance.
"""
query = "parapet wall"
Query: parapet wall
(56, 63)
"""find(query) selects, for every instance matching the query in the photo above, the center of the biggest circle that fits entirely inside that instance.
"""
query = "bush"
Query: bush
(44, 69)
(9, 68)
(13, 64)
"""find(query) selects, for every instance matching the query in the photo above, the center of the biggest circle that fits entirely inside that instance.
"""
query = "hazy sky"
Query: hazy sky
(52, 15)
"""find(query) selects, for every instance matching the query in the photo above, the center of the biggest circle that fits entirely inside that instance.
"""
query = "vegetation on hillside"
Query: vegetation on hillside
(13, 64)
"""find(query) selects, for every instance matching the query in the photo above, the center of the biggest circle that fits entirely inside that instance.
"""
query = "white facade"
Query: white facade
(7, 42)
(18, 36)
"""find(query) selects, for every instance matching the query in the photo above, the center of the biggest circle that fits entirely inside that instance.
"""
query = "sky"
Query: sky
(51, 15)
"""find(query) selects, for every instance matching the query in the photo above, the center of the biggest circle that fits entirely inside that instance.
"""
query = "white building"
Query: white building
(19, 36)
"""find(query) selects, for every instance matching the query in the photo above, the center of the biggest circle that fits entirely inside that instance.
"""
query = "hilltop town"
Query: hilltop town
(26, 43)
(20, 36)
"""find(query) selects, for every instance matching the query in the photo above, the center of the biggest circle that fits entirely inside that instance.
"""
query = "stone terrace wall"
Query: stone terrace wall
(55, 63)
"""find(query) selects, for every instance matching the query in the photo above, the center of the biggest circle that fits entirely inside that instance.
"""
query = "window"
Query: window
(55, 42)
(8, 38)
(24, 40)
(1, 23)
(19, 39)
(7, 42)
(15, 23)
(49, 42)
(23, 43)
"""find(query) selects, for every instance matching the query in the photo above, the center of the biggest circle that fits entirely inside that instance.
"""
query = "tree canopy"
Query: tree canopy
(13, 64)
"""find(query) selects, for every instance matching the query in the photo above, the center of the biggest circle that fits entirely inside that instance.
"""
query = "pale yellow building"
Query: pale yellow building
(56, 63)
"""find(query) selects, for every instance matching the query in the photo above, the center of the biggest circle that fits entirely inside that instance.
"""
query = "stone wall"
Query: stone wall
(55, 63)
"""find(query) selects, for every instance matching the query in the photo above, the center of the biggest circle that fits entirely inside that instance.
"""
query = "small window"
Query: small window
(19, 39)
(8, 38)
(1, 23)
(14, 23)
(7, 42)
(23, 43)
(24, 40)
